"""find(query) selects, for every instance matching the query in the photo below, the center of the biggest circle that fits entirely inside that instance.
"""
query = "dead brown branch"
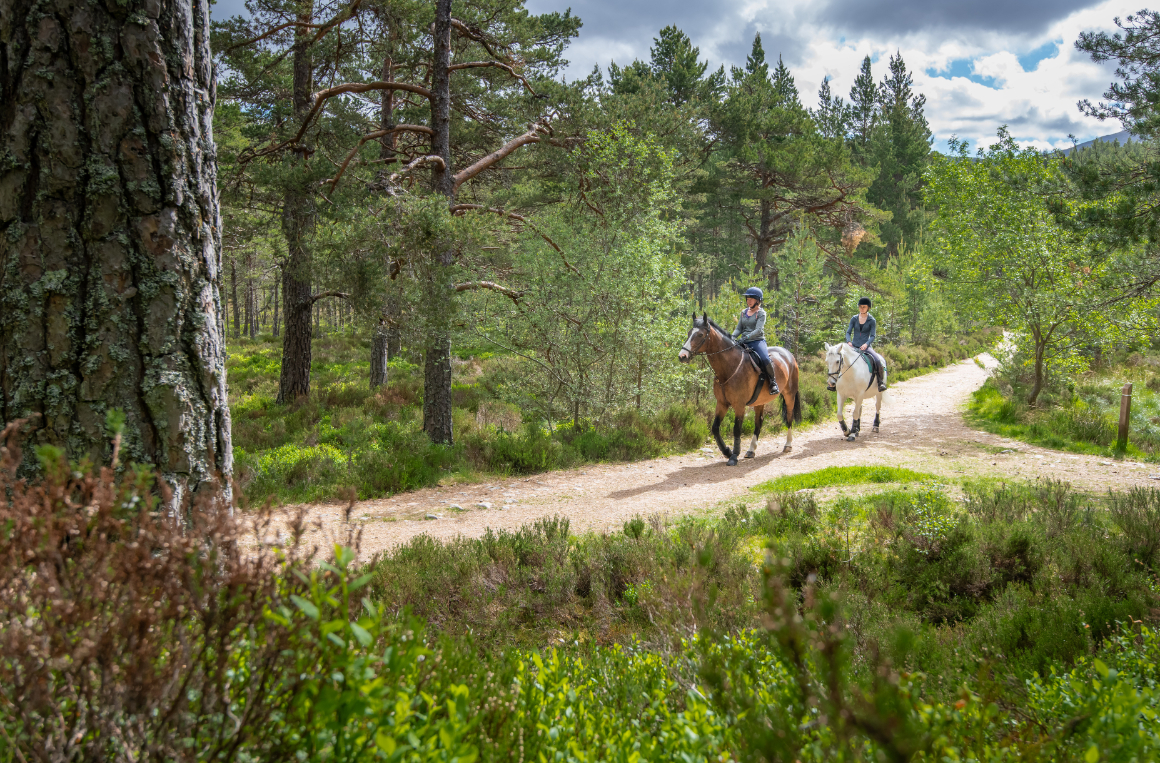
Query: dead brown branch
(491, 286)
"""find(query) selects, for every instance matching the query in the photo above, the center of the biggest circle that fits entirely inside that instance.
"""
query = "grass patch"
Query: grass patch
(1080, 421)
(842, 475)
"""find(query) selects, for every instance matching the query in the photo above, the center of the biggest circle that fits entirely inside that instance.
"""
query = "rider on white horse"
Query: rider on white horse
(750, 332)
(860, 335)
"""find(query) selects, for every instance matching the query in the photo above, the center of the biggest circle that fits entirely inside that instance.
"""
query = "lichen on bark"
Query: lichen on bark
(110, 251)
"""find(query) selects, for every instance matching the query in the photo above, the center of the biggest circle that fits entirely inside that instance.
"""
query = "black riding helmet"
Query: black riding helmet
(754, 292)
(864, 301)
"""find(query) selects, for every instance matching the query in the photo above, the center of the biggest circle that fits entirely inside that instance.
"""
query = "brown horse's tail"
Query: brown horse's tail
(797, 399)
(797, 410)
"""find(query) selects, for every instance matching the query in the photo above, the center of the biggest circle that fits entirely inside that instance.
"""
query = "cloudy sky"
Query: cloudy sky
(981, 64)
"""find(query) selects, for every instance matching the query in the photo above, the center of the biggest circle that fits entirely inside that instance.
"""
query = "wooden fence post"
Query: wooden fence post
(1125, 415)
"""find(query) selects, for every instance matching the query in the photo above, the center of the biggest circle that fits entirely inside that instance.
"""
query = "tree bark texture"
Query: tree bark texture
(379, 356)
(437, 353)
(274, 322)
(297, 226)
(234, 297)
(110, 251)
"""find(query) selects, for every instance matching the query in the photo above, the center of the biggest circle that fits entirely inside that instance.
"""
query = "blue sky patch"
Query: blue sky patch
(961, 67)
(1031, 58)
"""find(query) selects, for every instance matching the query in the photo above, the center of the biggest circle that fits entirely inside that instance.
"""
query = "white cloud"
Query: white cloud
(1038, 105)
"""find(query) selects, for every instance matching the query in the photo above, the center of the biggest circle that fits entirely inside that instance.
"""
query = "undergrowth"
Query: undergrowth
(1078, 414)
(897, 626)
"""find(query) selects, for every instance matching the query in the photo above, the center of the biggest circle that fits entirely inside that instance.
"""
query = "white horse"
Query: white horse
(852, 376)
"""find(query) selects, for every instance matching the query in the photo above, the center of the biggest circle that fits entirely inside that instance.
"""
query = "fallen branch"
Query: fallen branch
(491, 286)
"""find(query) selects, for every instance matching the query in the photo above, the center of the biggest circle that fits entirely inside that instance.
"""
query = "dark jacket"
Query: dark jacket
(862, 334)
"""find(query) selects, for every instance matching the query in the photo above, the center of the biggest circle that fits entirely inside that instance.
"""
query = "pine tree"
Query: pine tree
(783, 83)
(676, 60)
(863, 106)
(755, 62)
(832, 115)
(900, 147)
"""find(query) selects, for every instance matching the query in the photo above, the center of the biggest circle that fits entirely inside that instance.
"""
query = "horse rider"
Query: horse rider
(860, 335)
(750, 333)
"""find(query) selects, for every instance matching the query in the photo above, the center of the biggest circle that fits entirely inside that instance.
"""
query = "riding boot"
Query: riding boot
(773, 390)
(881, 374)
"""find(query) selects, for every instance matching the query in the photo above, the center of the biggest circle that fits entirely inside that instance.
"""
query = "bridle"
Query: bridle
(694, 352)
(835, 375)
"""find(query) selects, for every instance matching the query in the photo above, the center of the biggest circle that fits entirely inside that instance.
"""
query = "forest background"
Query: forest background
(533, 321)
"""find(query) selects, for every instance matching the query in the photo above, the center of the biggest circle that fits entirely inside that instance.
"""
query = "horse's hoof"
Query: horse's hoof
(731, 462)
(875, 429)
(852, 438)
(750, 454)
(787, 449)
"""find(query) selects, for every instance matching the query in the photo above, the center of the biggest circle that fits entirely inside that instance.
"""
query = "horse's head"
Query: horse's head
(698, 336)
(833, 359)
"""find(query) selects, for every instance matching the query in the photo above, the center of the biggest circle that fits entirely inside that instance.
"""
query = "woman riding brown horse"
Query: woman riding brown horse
(738, 384)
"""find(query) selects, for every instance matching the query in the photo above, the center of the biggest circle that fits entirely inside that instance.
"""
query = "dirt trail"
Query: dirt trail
(922, 429)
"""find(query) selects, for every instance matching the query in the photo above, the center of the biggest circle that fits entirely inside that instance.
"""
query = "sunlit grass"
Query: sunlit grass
(842, 475)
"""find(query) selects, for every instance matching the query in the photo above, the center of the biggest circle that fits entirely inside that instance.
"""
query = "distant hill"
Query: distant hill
(1123, 138)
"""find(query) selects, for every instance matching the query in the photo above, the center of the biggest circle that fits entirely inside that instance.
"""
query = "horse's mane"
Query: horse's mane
(724, 333)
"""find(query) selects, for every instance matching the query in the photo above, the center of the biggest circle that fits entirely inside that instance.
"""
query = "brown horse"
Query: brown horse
(737, 383)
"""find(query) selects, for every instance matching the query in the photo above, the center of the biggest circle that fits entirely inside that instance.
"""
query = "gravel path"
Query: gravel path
(922, 429)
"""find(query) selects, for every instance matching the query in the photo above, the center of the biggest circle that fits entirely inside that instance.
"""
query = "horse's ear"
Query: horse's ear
(705, 317)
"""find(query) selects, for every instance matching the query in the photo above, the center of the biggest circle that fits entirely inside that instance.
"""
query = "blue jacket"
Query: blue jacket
(859, 334)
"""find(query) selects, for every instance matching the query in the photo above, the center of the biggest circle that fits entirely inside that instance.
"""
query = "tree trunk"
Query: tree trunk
(1040, 348)
(394, 318)
(437, 355)
(297, 226)
(274, 320)
(379, 356)
(110, 262)
(234, 297)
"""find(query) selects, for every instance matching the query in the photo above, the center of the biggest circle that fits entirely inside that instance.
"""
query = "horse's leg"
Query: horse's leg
(738, 420)
(856, 425)
(758, 418)
(842, 413)
(878, 411)
(717, 416)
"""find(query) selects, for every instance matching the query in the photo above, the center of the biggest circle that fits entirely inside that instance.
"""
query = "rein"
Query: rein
(697, 351)
(836, 375)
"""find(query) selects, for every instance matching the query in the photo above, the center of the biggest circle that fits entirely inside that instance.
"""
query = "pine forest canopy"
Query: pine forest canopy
(423, 173)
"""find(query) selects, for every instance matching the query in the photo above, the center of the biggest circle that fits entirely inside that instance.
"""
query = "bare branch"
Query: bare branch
(512, 215)
(325, 294)
(533, 135)
(374, 136)
(473, 33)
(422, 161)
(496, 65)
(492, 286)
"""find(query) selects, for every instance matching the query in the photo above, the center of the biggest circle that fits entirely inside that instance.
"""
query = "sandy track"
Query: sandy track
(922, 429)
